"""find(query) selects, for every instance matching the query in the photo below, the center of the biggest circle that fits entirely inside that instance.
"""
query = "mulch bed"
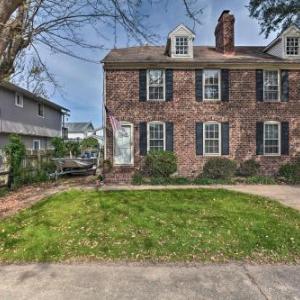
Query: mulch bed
(28, 195)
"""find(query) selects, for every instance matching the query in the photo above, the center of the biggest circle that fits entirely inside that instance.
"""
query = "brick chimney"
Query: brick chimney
(224, 33)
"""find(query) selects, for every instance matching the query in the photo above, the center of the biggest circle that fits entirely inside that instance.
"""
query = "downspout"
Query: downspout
(103, 110)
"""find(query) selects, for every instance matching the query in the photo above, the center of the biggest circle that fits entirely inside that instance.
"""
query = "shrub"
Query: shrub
(160, 164)
(137, 178)
(249, 167)
(290, 172)
(219, 168)
(59, 147)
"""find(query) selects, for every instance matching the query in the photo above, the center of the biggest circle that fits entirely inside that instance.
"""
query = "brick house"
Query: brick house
(202, 101)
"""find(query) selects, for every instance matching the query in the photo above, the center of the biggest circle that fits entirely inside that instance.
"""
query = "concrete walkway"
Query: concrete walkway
(136, 281)
(286, 194)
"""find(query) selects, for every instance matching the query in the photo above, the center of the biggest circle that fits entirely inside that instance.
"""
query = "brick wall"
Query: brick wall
(242, 112)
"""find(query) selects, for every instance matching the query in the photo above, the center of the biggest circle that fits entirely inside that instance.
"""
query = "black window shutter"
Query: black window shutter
(198, 85)
(169, 136)
(284, 85)
(143, 85)
(225, 85)
(199, 138)
(225, 138)
(143, 138)
(169, 85)
(259, 85)
(285, 138)
(259, 138)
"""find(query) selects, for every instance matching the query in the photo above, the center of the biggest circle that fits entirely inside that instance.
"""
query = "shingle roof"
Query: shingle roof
(144, 54)
(79, 126)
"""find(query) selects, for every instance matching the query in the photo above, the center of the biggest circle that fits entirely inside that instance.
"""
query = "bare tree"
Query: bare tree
(58, 24)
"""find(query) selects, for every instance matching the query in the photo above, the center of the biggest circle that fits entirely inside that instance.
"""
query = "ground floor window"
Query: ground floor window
(156, 136)
(212, 138)
(123, 145)
(271, 138)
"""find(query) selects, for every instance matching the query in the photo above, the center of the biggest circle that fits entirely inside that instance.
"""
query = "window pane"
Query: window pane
(181, 45)
(156, 137)
(271, 138)
(271, 86)
(292, 45)
(211, 84)
(211, 138)
(156, 84)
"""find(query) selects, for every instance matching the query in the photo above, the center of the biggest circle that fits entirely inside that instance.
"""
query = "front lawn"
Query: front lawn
(173, 225)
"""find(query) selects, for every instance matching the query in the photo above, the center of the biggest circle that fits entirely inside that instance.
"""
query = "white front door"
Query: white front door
(123, 146)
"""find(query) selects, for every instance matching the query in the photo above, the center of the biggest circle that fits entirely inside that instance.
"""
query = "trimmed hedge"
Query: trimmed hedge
(291, 172)
(249, 167)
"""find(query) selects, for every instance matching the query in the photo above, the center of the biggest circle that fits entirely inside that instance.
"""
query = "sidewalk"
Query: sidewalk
(138, 281)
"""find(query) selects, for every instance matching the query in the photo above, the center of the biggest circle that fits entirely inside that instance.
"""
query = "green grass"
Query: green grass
(174, 225)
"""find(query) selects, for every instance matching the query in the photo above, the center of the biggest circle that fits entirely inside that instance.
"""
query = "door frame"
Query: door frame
(131, 146)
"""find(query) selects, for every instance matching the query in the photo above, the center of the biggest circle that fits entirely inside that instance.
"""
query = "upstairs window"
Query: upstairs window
(211, 82)
(19, 100)
(41, 110)
(182, 45)
(36, 145)
(156, 136)
(156, 85)
(212, 138)
(271, 85)
(272, 138)
(292, 46)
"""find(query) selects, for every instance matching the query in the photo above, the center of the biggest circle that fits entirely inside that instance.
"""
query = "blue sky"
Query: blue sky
(82, 81)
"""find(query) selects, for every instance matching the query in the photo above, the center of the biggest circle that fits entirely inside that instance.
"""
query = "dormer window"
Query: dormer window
(182, 45)
(292, 45)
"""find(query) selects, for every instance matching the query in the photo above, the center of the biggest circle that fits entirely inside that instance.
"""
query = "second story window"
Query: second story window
(19, 100)
(211, 82)
(156, 136)
(156, 85)
(292, 45)
(41, 109)
(271, 85)
(182, 45)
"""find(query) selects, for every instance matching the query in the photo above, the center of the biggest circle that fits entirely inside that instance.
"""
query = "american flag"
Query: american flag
(115, 124)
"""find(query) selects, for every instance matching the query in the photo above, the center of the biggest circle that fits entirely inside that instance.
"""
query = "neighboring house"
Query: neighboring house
(229, 101)
(35, 119)
(79, 130)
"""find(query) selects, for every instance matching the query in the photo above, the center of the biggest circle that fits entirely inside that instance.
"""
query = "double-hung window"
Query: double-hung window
(156, 84)
(36, 145)
(292, 46)
(271, 85)
(156, 136)
(212, 138)
(211, 84)
(271, 138)
(182, 45)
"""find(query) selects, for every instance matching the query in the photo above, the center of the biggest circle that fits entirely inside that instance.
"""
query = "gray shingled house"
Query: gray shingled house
(35, 119)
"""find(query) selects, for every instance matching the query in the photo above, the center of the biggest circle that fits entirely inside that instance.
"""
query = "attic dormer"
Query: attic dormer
(180, 42)
(286, 45)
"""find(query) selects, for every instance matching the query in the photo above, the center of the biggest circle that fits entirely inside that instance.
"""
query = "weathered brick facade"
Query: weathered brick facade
(242, 111)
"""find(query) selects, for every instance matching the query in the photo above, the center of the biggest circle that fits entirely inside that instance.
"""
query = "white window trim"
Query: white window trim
(131, 146)
(279, 85)
(41, 116)
(203, 85)
(164, 86)
(285, 46)
(21, 97)
(188, 46)
(39, 142)
(279, 138)
(148, 133)
(220, 139)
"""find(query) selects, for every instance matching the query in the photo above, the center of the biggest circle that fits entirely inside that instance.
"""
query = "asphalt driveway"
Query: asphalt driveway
(136, 281)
